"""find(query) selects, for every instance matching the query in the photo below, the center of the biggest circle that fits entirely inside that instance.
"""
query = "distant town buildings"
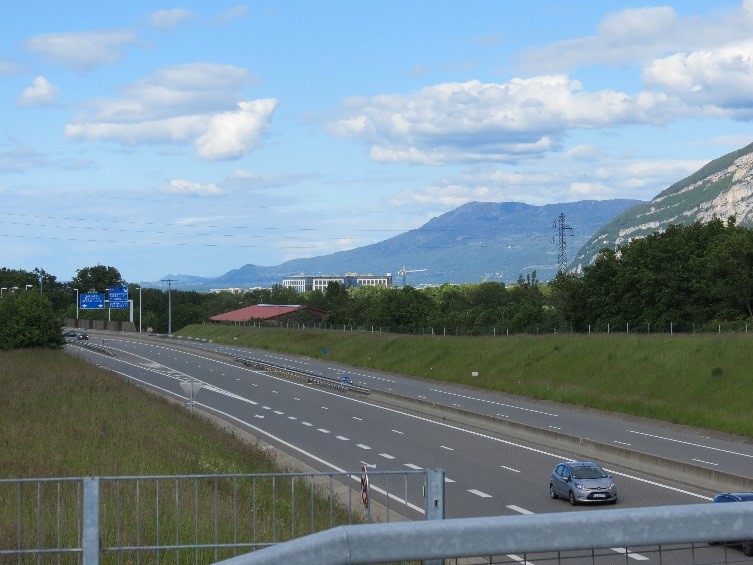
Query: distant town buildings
(306, 283)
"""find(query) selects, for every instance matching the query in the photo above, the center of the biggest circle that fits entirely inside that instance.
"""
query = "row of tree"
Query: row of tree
(688, 276)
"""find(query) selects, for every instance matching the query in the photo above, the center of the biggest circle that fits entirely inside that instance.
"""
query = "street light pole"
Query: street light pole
(139, 309)
(77, 302)
(169, 306)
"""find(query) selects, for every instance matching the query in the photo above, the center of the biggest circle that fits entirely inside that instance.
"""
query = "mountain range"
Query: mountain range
(502, 241)
(477, 241)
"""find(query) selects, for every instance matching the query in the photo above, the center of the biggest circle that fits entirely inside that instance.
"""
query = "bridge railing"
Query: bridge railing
(196, 518)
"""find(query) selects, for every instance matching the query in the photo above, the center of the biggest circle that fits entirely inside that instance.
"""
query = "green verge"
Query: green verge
(63, 417)
(701, 380)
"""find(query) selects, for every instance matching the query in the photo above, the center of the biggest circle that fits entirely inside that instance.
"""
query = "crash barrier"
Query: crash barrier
(677, 534)
(198, 518)
(89, 344)
(342, 384)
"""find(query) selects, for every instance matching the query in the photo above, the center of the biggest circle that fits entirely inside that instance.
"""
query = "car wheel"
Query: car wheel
(552, 493)
(573, 502)
(748, 548)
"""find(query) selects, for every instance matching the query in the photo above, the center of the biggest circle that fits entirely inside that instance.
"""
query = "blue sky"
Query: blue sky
(197, 137)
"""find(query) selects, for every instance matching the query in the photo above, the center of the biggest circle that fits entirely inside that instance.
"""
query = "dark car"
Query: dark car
(70, 333)
(747, 545)
(582, 481)
(83, 336)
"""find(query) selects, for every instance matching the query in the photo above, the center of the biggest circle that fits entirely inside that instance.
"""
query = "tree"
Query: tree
(28, 321)
(98, 278)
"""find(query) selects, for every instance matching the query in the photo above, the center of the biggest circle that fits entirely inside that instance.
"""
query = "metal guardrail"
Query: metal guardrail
(93, 346)
(309, 377)
(539, 538)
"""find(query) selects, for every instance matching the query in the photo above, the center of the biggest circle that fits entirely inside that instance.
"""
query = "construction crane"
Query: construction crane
(402, 272)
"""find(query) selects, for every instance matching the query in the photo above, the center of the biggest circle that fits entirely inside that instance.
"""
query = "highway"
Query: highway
(487, 473)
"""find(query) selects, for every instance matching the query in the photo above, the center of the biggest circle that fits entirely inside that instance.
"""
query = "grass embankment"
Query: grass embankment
(702, 380)
(63, 417)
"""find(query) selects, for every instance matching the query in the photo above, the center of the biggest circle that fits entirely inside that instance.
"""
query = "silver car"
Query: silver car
(582, 481)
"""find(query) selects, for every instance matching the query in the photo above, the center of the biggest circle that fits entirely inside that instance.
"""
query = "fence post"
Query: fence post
(90, 534)
(434, 502)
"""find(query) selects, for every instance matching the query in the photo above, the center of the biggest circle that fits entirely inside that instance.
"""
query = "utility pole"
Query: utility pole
(169, 306)
(561, 228)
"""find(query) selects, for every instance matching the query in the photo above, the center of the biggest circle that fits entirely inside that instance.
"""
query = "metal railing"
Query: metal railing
(671, 534)
(195, 518)
(307, 376)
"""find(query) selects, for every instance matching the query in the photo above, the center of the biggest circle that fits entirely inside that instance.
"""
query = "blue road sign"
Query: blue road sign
(118, 297)
(92, 300)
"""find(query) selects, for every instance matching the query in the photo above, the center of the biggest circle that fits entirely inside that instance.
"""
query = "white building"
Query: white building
(305, 283)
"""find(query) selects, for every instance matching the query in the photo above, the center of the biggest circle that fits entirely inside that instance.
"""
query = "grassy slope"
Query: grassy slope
(700, 380)
(61, 416)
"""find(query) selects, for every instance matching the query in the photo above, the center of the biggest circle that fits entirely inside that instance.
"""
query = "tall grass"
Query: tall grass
(63, 417)
(703, 380)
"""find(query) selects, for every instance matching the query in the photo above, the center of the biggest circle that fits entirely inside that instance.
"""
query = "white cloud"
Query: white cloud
(178, 186)
(8, 68)
(558, 178)
(231, 135)
(167, 20)
(20, 158)
(42, 92)
(473, 121)
(83, 50)
(640, 34)
(230, 15)
(180, 104)
(722, 78)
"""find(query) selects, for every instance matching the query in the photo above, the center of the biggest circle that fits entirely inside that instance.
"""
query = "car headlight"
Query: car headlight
(579, 486)
(611, 486)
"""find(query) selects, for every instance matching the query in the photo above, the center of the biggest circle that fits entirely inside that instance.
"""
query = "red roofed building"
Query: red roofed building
(276, 314)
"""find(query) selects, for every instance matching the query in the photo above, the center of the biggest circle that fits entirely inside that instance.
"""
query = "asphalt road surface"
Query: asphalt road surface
(486, 473)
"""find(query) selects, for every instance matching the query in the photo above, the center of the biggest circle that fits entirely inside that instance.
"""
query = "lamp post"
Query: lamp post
(77, 302)
(139, 309)
(169, 306)
(2, 289)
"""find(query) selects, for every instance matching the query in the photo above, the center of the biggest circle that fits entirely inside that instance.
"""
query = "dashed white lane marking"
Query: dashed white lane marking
(495, 403)
(278, 412)
(398, 432)
(621, 442)
(479, 493)
(630, 554)
(307, 424)
(447, 448)
(519, 510)
(266, 408)
(357, 418)
(322, 430)
(510, 469)
(448, 480)
(386, 455)
(412, 466)
(342, 438)
(292, 418)
(259, 416)
(706, 462)
(692, 444)
(362, 446)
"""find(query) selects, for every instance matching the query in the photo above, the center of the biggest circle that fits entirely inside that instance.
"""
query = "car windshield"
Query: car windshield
(588, 473)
